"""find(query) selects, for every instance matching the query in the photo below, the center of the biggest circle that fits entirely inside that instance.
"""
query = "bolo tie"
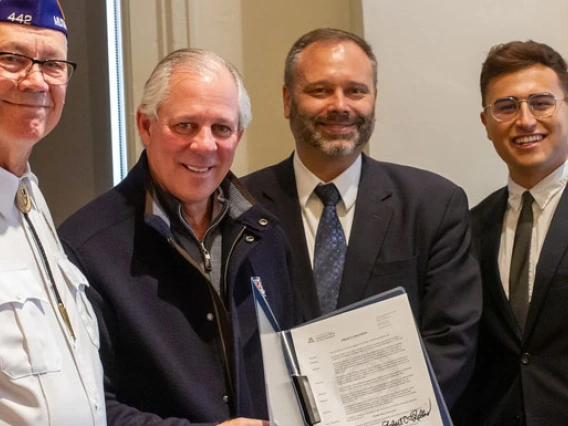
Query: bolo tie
(24, 202)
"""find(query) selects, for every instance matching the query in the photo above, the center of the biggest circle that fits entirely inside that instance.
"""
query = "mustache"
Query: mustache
(340, 118)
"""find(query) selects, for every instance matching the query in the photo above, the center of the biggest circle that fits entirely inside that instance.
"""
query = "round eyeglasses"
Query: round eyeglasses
(541, 105)
(17, 66)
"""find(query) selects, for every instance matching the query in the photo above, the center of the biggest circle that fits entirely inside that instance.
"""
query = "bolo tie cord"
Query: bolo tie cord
(24, 204)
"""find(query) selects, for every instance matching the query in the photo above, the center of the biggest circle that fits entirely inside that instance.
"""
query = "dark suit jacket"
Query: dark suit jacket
(411, 229)
(520, 379)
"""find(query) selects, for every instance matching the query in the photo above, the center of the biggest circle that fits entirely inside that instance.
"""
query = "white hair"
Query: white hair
(201, 61)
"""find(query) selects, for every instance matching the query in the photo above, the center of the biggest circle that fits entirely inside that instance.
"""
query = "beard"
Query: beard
(305, 130)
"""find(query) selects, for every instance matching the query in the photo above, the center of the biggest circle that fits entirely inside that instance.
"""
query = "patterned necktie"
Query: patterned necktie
(330, 248)
(519, 276)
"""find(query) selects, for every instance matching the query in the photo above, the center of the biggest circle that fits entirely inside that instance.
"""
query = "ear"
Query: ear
(143, 123)
(483, 118)
(240, 135)
(287, 97)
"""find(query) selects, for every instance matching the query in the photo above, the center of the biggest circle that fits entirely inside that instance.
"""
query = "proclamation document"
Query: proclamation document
(363, 365)
(366, 367)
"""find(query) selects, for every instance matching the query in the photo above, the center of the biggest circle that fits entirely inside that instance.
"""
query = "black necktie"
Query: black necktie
(330, 248)
(519, 276)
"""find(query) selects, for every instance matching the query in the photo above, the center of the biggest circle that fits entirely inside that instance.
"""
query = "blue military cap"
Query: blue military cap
(39, 13)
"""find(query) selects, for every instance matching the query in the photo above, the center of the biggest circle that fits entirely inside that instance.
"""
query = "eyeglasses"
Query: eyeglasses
(541, 105)
(17, 67)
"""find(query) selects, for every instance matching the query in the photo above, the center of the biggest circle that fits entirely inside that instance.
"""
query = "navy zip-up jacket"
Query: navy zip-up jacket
(176, 352)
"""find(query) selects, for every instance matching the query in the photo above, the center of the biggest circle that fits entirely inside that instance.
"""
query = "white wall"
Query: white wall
(430, 55)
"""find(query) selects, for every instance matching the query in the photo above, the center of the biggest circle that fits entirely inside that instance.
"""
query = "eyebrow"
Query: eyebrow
(216, 119)
(526, 97)
(327, 83)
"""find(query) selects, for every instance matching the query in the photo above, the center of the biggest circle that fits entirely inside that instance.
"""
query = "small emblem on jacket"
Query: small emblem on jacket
(258, 284)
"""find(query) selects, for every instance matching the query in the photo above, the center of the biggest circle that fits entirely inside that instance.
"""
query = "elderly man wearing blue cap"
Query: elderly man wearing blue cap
(50, 372)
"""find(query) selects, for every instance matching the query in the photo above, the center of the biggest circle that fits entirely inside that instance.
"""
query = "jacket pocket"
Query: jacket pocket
(27, 344)
(78, 283)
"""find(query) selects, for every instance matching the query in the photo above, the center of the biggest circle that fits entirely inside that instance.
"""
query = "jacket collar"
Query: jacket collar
(242, 206)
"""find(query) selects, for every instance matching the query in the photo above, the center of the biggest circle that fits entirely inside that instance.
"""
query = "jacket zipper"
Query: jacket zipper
(207, 262)
(225, 287)
(206, 257)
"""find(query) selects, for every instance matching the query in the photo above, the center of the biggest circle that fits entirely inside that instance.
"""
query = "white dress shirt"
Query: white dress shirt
(546, 196)
(46, 377)
(347, 184)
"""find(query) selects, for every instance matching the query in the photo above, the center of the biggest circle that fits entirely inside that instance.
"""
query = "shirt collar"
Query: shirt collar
(165, 206)
(346, 183)
(9, 184)
(542, 192)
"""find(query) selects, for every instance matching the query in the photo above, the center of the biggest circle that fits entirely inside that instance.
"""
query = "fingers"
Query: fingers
(241, 421)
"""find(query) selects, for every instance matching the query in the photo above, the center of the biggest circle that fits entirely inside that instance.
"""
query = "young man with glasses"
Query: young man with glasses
(521, 238)
(50, 372)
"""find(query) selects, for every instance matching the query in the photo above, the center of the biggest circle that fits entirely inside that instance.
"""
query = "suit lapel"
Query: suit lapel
(551, 255)
(372, 216)
(488, 253)
(281, 198)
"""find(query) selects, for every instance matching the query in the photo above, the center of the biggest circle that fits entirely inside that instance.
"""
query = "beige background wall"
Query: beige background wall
(269, 30)
(429, 55)
(73, 163)
(255, 35)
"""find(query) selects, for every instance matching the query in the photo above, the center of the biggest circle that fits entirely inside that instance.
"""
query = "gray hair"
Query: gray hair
(324, 34)
(157, 87)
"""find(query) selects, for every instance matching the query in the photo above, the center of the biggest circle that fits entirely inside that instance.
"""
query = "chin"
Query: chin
(35, 131)
(338, 151)
(338, 148)
(29, 138)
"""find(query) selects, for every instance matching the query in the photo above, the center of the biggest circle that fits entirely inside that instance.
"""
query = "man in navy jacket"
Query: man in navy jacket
(170, 253)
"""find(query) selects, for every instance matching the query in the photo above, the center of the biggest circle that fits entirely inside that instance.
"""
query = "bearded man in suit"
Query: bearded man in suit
(391, 225)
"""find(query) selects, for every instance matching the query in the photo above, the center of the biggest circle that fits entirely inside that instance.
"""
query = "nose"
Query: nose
(525, 118)
(33, 80)
(338, 101)
(204, 141)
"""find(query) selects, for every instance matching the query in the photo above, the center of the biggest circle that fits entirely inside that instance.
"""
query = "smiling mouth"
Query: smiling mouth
(523, 140)
(197, 169)
(25, 105)
(339, 127)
